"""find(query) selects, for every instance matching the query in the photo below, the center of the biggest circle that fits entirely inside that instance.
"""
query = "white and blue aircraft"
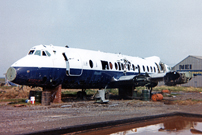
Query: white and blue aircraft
(49, 66)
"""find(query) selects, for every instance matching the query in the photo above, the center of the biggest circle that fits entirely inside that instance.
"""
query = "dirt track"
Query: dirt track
(32, 118)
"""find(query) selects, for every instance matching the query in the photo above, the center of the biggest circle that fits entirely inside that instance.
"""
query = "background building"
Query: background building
(191, 64)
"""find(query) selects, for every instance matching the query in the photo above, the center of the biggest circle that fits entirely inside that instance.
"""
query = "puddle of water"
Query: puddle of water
(162, 126)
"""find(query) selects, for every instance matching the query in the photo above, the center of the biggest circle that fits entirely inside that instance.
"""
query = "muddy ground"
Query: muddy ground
(32, 118)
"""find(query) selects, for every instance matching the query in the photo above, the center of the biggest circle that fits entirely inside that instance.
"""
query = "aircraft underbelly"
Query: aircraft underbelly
(51, 77)
(91, 79)
(88, 79)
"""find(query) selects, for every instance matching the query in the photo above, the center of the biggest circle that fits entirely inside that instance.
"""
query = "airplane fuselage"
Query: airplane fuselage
(49, 66)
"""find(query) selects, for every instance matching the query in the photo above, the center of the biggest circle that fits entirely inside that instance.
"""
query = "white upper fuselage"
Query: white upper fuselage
(49, 66)
(56, 60)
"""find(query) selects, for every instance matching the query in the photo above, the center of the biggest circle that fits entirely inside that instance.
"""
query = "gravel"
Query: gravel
(33, 118)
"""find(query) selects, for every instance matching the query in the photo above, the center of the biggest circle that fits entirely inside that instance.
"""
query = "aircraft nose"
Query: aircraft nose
(11, 74)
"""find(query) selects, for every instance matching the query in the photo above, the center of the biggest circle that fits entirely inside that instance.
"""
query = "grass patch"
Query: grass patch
(90, 91)
(177, 88)
(187, 102)
(139, 90)
(69, 92)
(113, 91)
(13, 100)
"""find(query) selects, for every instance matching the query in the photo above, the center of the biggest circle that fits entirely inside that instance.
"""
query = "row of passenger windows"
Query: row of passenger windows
(120, 66)
(39, 53)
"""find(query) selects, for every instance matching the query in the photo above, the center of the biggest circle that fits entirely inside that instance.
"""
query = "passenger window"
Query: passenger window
(116, 66)
(154, 69)
(48, 53)
(147, 69)
(128, 67)
(110, 65)
(158, 67)
(104, 65)
(151, 69)
(119, 65)
(138, 69)
(91, 63)
(143, 68)
(122, 66)
(38, 52)
(133, 67)
(43, 53)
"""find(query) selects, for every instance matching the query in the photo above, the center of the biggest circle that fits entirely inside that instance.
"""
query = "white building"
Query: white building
(191, 64)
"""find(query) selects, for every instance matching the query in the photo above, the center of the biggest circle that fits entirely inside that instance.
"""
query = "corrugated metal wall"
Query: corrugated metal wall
(194, 82)
(191, 64)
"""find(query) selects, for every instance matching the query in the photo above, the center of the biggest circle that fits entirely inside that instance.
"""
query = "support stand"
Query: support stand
(102, 96)
(56, 94)
(126, 92)
(51, 95)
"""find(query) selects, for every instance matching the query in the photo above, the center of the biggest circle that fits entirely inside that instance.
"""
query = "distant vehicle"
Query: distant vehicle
(48, 66)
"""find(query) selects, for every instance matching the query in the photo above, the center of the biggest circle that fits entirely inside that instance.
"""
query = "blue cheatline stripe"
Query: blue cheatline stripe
(50, 77)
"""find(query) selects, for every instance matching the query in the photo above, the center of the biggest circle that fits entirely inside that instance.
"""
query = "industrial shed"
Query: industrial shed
(191, 64)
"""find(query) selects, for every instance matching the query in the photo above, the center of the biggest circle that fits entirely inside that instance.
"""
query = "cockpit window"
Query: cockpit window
(43, 53)
(38, 52)
(31, 52)
(48, 53)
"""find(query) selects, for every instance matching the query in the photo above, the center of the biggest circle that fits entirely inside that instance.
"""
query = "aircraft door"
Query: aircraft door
(73, 65)
(67, 64)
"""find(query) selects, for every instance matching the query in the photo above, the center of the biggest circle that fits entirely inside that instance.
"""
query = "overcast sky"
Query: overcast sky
(170, 29)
